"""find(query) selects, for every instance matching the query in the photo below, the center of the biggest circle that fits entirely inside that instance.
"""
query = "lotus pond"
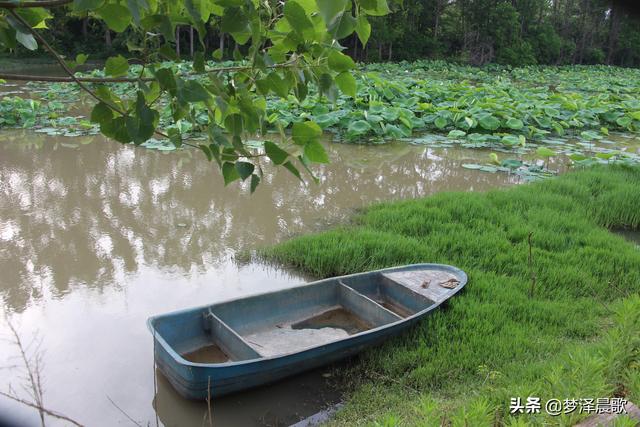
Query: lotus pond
(571, 110)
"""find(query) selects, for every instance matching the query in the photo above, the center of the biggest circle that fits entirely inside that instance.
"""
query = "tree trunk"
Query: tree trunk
(390, 51)
(355, 48)
(85, 28)
(191, 40)
(178, 41)
(614, 32)
(222, 45)
(436, 24)
(107, 37)
(207, 39)
(585, 31)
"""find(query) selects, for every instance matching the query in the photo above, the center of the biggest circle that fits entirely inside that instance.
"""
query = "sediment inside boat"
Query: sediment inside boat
(207, 354)
(322, 328)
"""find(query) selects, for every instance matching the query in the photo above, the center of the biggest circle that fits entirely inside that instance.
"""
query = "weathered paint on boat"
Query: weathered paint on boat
(265, 336)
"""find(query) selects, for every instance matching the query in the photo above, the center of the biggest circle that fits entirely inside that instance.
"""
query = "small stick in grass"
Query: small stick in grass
(533, 274)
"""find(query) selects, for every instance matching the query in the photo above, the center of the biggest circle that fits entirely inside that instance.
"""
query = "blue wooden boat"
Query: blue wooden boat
(230, 346)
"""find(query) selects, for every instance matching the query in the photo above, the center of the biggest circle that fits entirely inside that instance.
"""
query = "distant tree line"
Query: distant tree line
(514, 32)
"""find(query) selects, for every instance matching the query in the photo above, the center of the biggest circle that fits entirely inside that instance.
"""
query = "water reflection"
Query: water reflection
(91, 215)
(280, 404)
(95, 237)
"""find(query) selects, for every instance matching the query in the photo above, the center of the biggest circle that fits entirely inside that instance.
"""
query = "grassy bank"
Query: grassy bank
(577, 337)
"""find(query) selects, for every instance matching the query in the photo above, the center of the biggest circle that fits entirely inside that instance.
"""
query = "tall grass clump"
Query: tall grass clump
(576, 336)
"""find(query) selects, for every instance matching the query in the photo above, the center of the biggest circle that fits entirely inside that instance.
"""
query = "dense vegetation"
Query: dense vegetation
(516, 32)
(568, 110)
(496, 341)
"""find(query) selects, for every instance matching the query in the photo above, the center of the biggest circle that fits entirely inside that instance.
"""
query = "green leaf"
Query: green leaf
(275, 153)
(175, 137)
(116, 16)
(205, 149)
(255, 180)
(327, 87)
(229, 173)
(358, 127)
(86, 5)
(605, 156)
(81, 58)
(340, 62)
(510, 140)
(489, 122)
(624, 121)
(34, 16)
(101, 113)
(375, 7)
(245, 169)
(142, 125)
(330, 9)
(440, 122)
(304, 132)
(296, 16)
(167, 80)
(26, 40)
(116, 66)
(116, 129)
(22, 34)
(198, 62)
(344, 25)
(545, 152)
(192, 91)
(456, 133)
(513, 123)
(277, 84)
(347, 83)
(590, 135)
(473, 166)
(511, 163)
(136, 7)
(363, 29)
(291, 168)
(315, 152)
(168, 52)
(234, 20)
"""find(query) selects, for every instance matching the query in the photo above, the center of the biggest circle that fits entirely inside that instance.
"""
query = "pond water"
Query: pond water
(631, 235)
(96, 237)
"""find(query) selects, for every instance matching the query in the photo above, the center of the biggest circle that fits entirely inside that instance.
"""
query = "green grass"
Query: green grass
(578, 337)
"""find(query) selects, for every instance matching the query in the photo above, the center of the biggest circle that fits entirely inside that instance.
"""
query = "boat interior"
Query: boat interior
(298, 318)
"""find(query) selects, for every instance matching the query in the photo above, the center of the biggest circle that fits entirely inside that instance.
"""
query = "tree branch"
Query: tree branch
(39, 408)
(62, 79)
(62, 63)
(28, 4)
(81, 81)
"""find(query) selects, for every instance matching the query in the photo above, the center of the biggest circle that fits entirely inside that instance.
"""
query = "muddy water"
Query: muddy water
(630, 235)
(95, 237)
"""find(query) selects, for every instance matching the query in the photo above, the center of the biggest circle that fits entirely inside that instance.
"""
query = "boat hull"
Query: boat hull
(225, 323)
